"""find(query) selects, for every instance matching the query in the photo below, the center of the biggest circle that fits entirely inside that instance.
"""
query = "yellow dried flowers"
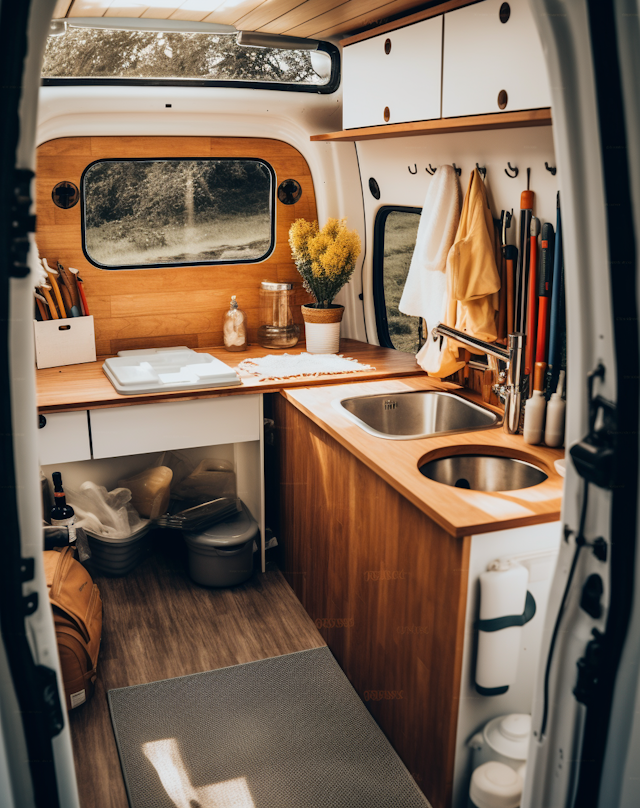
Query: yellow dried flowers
(325, 258)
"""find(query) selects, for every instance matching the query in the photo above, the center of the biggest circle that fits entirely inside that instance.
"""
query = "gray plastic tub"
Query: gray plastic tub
(119, 556)
(222, 555)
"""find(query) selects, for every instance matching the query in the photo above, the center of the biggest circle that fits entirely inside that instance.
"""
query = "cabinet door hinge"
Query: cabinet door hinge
(22, 223)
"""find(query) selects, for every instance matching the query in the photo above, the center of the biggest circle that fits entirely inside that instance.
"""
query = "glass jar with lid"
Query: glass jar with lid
(277, 329)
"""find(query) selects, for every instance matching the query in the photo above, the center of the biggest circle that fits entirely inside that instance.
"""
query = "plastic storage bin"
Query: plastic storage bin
(119, 556)
(222, 555)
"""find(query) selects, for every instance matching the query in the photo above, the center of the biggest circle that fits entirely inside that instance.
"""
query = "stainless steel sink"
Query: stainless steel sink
(483, 472)
(415, 414)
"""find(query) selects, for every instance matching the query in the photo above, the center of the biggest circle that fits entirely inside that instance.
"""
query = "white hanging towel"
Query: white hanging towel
(426, 286)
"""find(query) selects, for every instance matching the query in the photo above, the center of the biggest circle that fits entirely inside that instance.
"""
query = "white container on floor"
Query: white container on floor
(495, 785)
(504, 739)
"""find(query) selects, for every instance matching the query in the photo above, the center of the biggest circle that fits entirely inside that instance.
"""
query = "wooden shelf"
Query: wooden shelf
(472, 123)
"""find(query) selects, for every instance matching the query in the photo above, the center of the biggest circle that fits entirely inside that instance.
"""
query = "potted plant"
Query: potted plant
(325, 259)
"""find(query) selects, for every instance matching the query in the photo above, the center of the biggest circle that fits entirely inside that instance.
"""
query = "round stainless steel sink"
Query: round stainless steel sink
(483, 472)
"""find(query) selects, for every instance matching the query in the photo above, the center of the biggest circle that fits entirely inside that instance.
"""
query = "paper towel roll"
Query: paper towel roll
(503, 593)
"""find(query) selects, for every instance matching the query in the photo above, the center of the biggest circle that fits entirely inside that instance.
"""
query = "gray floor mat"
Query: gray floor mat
(285, 732)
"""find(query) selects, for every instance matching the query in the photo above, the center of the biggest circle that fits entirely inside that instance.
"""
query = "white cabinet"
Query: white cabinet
(490, 65)
(64, 437)
(141, 428)
(394, 77)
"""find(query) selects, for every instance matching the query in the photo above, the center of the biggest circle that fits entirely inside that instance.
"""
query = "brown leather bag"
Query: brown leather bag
(77, 614)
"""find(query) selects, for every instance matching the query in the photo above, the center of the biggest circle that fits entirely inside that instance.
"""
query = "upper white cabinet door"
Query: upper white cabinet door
(485, 57)
(394, 77)
(140, 428)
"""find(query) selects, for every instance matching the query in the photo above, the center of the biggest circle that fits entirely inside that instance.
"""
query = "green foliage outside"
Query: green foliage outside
(101, 53)
(401, 230)
(171, 211)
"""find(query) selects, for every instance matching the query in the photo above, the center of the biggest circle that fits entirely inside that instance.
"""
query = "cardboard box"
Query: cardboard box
(64, 342)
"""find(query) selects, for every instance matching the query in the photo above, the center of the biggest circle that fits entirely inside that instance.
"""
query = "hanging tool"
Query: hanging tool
(505, 322)
(544, 291)
(557, 307)
(532, 304)
(522, 275)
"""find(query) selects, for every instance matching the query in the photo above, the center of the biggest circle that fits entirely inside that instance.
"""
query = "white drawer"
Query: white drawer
(484, 56)
(406, 81)
(141, 428)
(64, 437)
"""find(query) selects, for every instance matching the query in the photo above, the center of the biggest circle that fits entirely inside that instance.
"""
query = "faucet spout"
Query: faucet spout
(513, 356)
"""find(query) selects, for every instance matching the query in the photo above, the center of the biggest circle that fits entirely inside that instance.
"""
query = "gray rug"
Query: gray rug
(285, 732)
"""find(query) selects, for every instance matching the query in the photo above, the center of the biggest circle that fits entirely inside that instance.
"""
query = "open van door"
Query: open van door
(36, 764)
(586, 722)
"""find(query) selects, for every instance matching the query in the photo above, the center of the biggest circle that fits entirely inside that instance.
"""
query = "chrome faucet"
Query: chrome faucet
(509, 386)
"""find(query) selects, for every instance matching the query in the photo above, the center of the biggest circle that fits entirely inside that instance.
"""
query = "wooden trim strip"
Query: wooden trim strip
(426, 14)
(440, 126)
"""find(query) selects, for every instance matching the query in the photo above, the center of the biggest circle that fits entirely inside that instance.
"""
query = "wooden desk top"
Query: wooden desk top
(85, 387)
(460, 512)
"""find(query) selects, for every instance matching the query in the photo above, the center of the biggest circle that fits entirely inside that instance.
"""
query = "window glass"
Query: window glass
(396, 230)
(97, 53)
(141, 213)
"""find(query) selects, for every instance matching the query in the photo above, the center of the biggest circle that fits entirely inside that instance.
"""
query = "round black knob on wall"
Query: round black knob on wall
(504, 13)
(289, 192)
(374, 188)
(42, 422)
(387, 46)
(387, 114)
(503, 99)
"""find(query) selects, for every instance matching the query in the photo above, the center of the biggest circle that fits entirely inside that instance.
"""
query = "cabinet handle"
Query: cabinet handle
(387, 114)
(42, 422)
(504, 13)
(503, 99)
(387, 46)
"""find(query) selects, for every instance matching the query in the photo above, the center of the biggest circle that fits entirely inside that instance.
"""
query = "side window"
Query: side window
(154, 213)
(395, 234)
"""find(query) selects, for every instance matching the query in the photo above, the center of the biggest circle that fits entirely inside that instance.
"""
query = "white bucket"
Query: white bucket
(322, 338)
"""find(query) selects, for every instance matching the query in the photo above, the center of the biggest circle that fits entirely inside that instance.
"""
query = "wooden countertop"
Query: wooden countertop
(85, 387)
(460, 512)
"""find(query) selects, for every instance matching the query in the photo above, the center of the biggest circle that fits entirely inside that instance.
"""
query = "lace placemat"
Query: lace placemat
(286, 366)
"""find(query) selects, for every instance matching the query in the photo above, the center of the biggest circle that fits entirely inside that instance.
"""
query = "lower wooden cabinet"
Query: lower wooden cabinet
(386, 587)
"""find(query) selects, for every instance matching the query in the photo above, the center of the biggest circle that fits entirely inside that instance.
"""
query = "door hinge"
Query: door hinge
(51, 699)
(23, 222)
(27, 569)
(589, 669)
(30, 603)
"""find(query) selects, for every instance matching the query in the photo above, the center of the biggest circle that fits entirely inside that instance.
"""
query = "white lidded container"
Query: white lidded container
(504, 739)
(222, 555)
(495, 785)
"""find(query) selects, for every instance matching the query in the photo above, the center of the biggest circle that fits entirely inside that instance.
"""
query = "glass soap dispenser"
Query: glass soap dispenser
(234, 329)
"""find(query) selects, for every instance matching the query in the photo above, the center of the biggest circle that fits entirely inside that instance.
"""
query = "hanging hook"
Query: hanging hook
(431, 170)
(551, 169)
(482, 171)
(515, 170)
(415, 169)
(457, 170)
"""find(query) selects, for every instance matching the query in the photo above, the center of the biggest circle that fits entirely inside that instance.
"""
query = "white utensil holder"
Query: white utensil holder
(70, 341)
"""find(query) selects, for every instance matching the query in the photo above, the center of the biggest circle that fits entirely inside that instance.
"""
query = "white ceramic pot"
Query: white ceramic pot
(322, 329)
(323, 337)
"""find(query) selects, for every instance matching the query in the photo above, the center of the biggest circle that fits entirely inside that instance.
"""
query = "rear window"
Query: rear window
(96, 55)
(396, 230)
(153, 213)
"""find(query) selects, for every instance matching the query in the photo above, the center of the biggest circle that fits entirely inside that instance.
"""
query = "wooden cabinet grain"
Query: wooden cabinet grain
(386, 587)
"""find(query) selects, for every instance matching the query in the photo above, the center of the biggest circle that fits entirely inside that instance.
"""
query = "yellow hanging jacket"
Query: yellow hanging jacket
(473, 283)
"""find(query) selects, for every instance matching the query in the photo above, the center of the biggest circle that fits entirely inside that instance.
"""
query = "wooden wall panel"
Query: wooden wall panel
(397, 577)
(143, 308)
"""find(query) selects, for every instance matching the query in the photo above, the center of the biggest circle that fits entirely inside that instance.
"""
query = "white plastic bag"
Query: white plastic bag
(104, 513)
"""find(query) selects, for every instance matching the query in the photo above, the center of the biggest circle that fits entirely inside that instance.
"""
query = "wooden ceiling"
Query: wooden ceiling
(306, 18)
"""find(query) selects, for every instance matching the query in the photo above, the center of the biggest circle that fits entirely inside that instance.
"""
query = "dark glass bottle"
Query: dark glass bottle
(61, 513)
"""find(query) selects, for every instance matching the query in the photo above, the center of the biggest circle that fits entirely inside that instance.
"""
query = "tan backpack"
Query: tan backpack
(77, 614)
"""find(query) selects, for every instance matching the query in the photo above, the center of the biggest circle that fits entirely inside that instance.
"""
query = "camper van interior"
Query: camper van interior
(321, 373)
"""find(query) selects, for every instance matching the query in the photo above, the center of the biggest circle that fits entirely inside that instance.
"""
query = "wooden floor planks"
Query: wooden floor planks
(158, 625)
